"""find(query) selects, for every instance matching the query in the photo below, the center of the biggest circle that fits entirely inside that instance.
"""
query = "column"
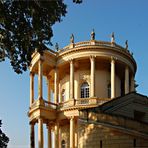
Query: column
(56, 85)
(31, 88)
(60, 92)
(76, 133)
(40, 81)
(126, 80)
(71, 79)
(60, 139)
(113, 91)
(92, 77)
(40, 133)
(48, 88)
(49, 136)
(72, 133)
(57, 135)
(32, 135)
(132, 83)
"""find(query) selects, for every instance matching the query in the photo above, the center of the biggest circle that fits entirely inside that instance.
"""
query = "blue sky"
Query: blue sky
(128, 19)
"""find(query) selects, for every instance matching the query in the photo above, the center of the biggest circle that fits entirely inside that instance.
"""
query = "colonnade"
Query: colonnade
(57, 134)
(129, 86)
(113, 78)
(40, 120)
(56, 93)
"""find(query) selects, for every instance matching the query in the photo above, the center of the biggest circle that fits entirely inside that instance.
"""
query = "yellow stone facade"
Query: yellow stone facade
(79, 77)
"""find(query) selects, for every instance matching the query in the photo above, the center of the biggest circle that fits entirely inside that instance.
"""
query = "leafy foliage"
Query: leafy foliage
(3, 138)
(25, 25)
(77, 1)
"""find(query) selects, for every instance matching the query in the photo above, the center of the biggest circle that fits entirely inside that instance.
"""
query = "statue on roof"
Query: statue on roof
(72, 38)
(112, 37)
(56, 46)
(126, 44)
(93, 35)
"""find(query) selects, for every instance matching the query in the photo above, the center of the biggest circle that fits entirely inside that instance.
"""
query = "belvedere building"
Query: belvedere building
(91, 98)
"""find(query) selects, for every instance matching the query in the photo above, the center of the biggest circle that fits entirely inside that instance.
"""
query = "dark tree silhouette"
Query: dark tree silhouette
(3, 138)
(26, 25)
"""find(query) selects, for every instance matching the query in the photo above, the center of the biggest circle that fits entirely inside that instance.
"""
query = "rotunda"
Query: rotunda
(81, 76)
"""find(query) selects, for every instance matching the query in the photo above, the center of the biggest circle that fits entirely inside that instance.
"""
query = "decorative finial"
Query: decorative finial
(72, 39)
(56, 46)
(112, 37)
(93, 35)
(126, 44)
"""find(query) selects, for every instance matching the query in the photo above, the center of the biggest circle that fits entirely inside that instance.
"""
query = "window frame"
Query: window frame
(84, 90)
(63, 144)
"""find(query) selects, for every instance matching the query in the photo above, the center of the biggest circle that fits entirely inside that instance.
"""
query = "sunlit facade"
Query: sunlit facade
(89, 82)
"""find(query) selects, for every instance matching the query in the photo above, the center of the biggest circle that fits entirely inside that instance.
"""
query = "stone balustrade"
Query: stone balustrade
(86, 102)
(96, 43)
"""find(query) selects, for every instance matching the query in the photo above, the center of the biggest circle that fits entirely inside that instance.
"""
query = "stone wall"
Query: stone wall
(65, 134)
(102, 79)
(91, 136)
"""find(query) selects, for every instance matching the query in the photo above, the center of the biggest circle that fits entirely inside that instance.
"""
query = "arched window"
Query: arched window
(85, 90)
(63, 144)
(109, 90)
(63, 95)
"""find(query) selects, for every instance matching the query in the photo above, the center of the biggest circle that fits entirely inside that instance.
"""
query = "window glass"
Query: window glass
(85, 90)
(63, 144)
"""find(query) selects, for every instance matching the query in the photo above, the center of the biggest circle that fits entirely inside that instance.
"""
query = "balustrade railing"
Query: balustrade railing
(64, 104)
(70, 103)
(85, 43)
(91, 101)
(99, 43)
(34, 104)
(43, 103)
(50, 104)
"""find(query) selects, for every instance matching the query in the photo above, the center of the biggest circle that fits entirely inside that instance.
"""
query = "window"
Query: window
(85, 90)
(109, 90)
(63, 95)
(63, 144)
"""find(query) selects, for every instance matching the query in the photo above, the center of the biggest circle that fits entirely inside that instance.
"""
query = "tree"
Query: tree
(26, 26)
(3, 138)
